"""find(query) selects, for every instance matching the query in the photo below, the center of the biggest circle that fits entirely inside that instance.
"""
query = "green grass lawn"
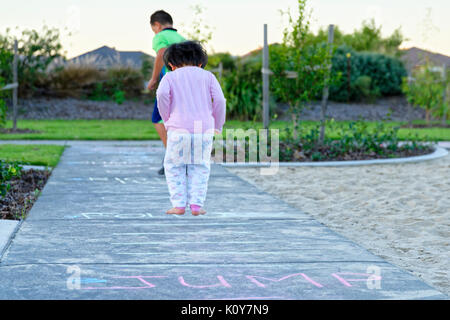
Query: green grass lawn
(426, 134)
(144, 130)
(43, 155)
(84, 130)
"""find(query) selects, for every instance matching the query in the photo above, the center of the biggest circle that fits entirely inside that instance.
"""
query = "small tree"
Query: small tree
(2, 105)
(426, 90)
(308, 63)
(198, 29)
(37, 51)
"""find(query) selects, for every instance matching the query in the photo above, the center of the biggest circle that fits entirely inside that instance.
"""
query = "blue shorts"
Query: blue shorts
(156, 117)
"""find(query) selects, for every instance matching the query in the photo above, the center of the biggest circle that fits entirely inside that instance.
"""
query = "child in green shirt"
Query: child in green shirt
(165, 35)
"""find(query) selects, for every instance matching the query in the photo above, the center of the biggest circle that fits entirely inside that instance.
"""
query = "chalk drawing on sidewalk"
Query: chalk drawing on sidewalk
(344, 280)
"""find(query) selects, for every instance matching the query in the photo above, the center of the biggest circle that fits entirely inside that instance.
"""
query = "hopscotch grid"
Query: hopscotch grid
(201, 242)
(225, 253)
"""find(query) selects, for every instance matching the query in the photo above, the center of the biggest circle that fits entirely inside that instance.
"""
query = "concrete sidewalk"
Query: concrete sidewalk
(99, 231)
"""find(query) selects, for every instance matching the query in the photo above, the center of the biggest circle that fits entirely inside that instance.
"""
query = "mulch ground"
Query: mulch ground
(424, 126)
(23, 193)
(8, 131)
(326, 155)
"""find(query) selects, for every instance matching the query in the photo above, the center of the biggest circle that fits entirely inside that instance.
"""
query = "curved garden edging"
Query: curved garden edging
(438, 153)
(27, 167)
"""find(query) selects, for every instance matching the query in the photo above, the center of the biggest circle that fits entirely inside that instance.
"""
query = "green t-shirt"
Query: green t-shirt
(166, 38)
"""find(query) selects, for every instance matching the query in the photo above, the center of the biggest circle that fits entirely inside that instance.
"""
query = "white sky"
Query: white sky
(238, 25)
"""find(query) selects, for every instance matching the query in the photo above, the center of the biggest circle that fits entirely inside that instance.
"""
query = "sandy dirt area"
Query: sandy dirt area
(398, 212)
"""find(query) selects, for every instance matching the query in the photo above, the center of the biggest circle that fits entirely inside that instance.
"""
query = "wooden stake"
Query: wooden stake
(326, 88)
(265, 76)
(15, 90)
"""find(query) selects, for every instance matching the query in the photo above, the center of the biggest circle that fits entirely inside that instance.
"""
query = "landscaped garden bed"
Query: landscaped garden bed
(23, 192)
(356, 140)
(20, 188)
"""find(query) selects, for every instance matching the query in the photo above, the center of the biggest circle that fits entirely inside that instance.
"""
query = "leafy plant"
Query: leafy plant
(365, 90)
(8, 171)
(243, 91)
(386, 74)
(75, 80)
(198, 29)
(119, 96)
(366, 39)
(357, 139)
(426, 90)
(37, 51)
(3, 109)
(146, 67)
(307, 60)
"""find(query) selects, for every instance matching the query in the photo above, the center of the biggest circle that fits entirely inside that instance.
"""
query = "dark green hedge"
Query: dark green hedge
(386, 74)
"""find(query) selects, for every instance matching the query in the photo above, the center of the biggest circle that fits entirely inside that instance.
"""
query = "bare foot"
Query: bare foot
(176, 211)
(199, 212)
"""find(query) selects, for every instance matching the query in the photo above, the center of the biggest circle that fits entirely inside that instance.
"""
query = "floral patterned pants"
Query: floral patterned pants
(187, 166)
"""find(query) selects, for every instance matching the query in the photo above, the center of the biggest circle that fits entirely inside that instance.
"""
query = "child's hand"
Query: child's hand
(216, 131)
(152, 84)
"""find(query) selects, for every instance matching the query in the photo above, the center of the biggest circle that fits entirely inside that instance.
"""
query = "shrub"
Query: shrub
(78, 81)
(386, 74)
(75, 80)
(37, 50)
(357, 138)
(228, 62)
(7, 171)
(147, 67)
(125, 79)
(426, 90)
(3, 109)
(364, 90)
(243, 90)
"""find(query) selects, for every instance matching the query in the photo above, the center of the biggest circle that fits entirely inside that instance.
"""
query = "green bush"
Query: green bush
(2, 105)
(367, 38)
(7, 171)
(356, 138)
(79, 81)
(228, 62)
(364, 90)
(243, 90)
(147, 67)
(75, 81)
(125, 79)
(37, 51)
(386, 74)
(427, 91)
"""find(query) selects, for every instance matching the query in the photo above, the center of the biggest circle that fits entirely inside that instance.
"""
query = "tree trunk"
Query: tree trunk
(294, 122)
(409, 115)
(427, 116)
(15, 90)
(444, 95)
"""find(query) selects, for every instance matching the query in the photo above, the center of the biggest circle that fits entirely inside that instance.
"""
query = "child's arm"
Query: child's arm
(164, 97)
(157, 67)
(219, 104)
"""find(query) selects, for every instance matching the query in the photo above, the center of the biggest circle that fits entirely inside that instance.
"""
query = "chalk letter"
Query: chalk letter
(222, 282)
(259, 284)
(345, 282)
(74, 280)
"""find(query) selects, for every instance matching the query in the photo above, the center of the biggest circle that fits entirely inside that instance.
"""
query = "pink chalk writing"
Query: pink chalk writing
(140, 278)
(345, 278)
(346, 283)
(222, 282)
(259, 284)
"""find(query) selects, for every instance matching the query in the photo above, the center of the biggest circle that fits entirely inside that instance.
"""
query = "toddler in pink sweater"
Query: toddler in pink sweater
(192, 106)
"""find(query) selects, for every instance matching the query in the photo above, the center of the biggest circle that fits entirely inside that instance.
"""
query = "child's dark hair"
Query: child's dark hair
(187, 53)
(162, 17)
